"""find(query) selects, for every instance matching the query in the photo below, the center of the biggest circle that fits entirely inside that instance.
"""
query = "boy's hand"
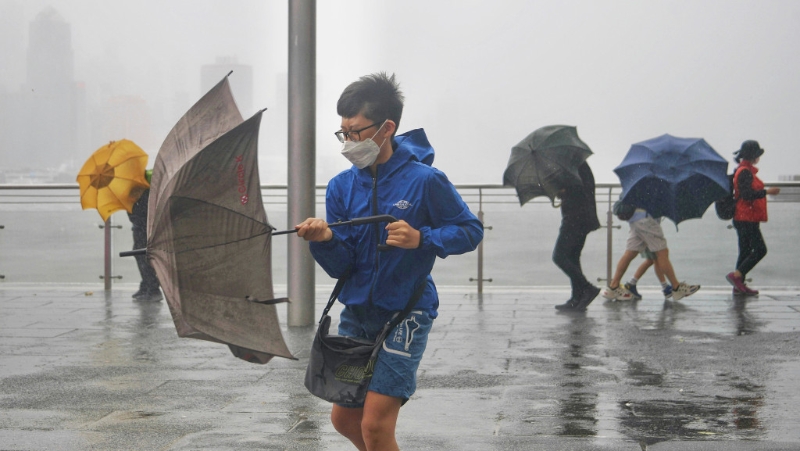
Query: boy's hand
(402, 235)
(314, 229)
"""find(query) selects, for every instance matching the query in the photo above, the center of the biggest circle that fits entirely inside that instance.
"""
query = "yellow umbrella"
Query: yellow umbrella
(113, 178)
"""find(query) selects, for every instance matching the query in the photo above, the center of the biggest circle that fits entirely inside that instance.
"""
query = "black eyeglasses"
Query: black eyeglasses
(353, 135)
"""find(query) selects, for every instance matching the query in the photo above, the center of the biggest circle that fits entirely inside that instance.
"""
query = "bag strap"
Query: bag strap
(396, 320)
(334, 294)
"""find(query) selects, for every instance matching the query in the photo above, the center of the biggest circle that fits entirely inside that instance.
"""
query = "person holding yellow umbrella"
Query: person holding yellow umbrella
(149, 286)
(112, 179)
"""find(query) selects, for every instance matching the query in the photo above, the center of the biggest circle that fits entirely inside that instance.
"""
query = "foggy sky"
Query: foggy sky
(477, 75)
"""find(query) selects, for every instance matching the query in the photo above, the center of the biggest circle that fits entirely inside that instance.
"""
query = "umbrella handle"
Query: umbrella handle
(354, 221)
(133, 253)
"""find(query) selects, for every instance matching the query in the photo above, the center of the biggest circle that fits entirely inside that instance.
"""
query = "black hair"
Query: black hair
(377, 97)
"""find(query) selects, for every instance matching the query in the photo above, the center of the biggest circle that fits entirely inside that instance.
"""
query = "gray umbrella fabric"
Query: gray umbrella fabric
(208, 235)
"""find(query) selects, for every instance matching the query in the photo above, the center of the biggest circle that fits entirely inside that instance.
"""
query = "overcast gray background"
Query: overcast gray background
(477, 75)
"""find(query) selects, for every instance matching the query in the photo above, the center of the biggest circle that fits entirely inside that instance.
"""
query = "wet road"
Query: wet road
(502, 372)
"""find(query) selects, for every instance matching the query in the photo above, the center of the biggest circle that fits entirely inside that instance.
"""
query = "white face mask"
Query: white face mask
(362, 153)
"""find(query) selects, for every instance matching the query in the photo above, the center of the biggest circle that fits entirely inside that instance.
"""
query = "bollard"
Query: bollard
(108, 250)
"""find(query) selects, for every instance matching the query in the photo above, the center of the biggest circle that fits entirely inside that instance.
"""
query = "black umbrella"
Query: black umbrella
(545, 162)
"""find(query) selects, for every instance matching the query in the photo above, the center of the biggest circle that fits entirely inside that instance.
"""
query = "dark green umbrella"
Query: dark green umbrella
(545, 162)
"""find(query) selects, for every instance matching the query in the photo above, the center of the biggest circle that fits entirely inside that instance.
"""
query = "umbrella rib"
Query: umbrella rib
(226, 209)
(223, 244)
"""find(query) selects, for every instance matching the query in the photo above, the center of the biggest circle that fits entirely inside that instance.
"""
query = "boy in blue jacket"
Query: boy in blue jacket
(390, 175)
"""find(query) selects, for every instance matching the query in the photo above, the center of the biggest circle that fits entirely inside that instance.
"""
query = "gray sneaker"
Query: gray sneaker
(617, 294)
(668, 292)
(683, 290)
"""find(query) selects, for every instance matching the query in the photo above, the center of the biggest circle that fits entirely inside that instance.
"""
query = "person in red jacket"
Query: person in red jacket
(751, 210)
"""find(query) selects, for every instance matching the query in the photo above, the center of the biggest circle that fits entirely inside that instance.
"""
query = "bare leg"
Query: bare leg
(371, 428)
(379, 422)
(659, 272)
(622, 266)
(665, 266)
(646, 264)
(347, 421)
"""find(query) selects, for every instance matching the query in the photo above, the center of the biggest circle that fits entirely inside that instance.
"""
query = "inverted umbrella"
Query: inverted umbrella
(674, 177)
(545, 162)
(208, 235)
(113, 178)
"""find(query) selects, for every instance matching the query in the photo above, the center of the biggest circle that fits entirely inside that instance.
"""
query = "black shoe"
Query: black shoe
(569, 306)
(587, 296)
(139, 294)
(150, 297)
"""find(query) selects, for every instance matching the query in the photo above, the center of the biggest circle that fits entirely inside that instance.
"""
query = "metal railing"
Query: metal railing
(23, 199)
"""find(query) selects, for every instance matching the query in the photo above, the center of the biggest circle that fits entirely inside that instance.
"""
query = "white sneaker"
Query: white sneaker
(683, 290)
(617, 294)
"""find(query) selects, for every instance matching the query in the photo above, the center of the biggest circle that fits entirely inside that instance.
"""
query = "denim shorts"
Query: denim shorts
(398, 360)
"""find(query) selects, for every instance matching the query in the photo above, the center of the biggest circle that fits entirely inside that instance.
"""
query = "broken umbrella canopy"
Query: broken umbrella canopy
(208, 237)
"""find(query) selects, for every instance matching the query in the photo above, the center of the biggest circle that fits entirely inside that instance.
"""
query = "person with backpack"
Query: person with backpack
(750, 212)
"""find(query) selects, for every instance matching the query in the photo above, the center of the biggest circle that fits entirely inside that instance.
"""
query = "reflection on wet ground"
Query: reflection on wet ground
(503, 371)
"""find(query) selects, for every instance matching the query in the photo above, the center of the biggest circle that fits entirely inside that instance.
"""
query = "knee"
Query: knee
(376, 431)
(345, 424)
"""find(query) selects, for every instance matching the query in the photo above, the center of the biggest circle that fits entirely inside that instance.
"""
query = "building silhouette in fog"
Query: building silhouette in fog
(39, 124)
(241, 81)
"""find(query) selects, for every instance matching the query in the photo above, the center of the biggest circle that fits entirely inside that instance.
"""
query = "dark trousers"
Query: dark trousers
(567, 256)
(751, 246)
(149, 283)
(138, 218)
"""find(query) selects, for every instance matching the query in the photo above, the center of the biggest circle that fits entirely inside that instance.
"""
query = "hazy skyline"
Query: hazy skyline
(478, 76)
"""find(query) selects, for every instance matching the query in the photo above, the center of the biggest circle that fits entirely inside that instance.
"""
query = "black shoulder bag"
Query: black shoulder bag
(340, 368)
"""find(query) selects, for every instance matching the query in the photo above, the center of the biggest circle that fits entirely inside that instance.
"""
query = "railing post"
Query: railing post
(480, 278)
(2, 276)
(609, 237)
(108, 252)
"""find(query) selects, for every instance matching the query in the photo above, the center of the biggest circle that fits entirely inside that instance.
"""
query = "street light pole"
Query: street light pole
(302, 156)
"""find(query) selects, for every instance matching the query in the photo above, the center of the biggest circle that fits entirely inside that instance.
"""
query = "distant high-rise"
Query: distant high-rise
(48, 118)
(12, 46)
(241, 81)
(50, 58)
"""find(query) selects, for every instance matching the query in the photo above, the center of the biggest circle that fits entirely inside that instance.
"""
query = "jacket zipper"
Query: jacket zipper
(377, 235)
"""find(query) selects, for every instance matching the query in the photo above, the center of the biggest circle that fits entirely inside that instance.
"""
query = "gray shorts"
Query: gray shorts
(646, 234)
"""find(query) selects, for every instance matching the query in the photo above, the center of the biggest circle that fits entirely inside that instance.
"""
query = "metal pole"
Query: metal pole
(480, 257)
(302, 156)
(480, 278)
(108, 252)
(609, 237)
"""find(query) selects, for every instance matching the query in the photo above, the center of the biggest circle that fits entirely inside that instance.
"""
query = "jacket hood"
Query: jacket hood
(413, 145)
(409, 147)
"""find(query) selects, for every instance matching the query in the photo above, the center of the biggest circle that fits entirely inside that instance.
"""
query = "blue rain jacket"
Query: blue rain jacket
(408, 188)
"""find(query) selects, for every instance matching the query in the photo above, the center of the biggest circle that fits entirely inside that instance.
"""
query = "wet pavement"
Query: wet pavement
(82, 370)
